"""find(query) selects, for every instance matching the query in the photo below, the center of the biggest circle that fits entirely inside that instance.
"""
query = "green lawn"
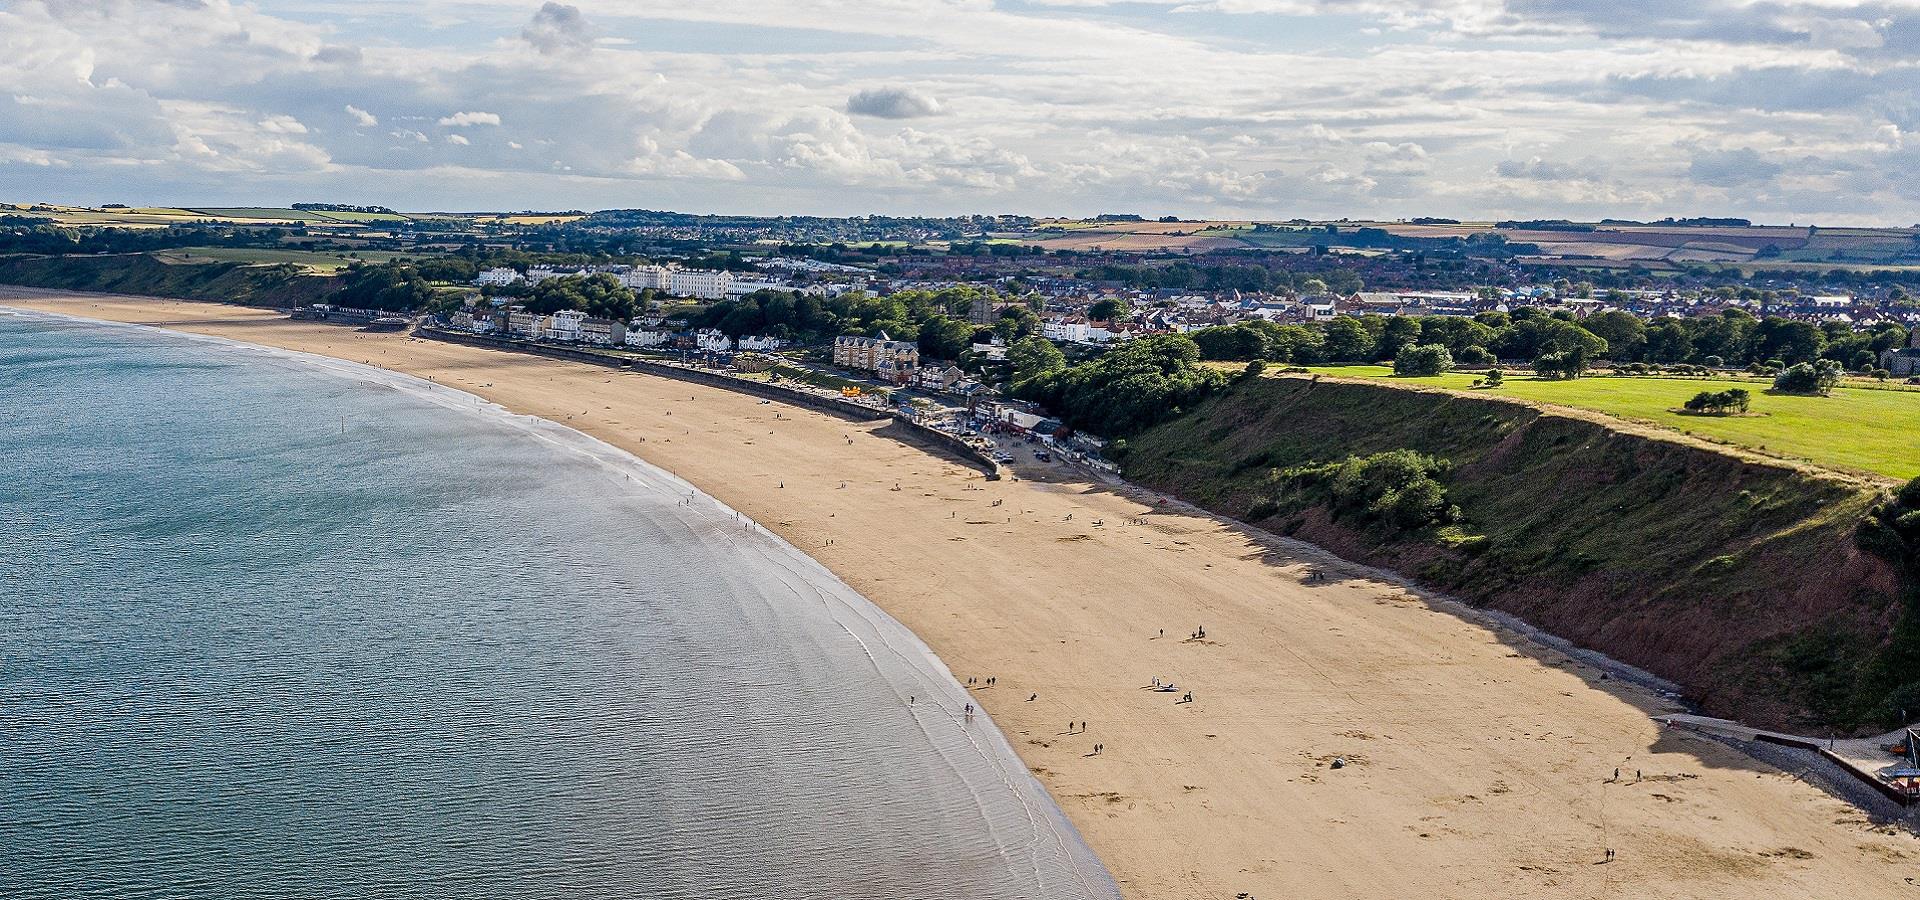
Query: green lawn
(1869, 429)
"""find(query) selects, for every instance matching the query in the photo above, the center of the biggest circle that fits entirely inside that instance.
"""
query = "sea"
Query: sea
(274, 625)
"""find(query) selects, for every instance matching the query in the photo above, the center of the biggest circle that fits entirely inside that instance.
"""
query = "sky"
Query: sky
(1803, 111)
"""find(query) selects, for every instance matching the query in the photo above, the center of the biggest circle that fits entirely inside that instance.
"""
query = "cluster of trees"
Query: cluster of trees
(1817, 378)
(343, 207)
(393, 286)
(34, 234)
(1125, 390)
(1398, 488)
(599, 295)
(1733, 338)
(938, 320)
(1527, 334)
(1718, 403)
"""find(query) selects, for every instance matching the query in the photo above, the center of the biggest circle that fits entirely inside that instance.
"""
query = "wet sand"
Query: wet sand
(1478, 763)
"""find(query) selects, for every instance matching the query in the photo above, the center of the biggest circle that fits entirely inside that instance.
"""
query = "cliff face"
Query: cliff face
(1739, 580)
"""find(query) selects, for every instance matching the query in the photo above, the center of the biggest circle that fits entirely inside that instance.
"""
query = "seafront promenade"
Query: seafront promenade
(1475, 762)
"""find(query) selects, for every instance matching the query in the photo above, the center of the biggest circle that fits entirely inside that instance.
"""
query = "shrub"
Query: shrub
(1425, 359)
(1715, 362)
(1397, 488)
(1881, 374)
(1495, 378)
(1817, 378)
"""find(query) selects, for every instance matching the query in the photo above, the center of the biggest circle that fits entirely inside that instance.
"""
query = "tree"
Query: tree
(944, 338)
(1560, 364)
(1668, 342)
(1625, 334)
(1396, 333)
(1237, 343)
(1033, 356)
(1816, 378)
(1422, 360)
(1495, 378)
(1788, 340)
(1014, 323)
(1347, 340)
(1107, 309)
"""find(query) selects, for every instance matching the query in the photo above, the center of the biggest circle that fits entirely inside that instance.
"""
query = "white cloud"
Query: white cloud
(1788, 109)
(464, 119)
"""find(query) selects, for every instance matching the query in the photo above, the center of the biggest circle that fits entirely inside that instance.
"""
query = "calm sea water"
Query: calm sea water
(272, 627)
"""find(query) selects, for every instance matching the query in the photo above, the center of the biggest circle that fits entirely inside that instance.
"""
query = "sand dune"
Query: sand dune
(1478, 763)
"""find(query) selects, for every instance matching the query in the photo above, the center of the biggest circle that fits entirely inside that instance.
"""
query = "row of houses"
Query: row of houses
(888, 360)
(703, 284)
(573, 326)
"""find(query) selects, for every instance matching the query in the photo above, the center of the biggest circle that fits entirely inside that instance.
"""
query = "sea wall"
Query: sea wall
(1738, 579)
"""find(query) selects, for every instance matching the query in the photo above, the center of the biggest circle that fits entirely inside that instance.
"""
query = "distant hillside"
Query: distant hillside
(139, 273)
(1742, 581)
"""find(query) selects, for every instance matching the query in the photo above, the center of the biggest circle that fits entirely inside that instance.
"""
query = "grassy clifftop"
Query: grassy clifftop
(140, 273)
(1739, 579)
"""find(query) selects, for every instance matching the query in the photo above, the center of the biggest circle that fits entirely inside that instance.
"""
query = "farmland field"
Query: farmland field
(1860, 429)
(258, 212)
(357, 216)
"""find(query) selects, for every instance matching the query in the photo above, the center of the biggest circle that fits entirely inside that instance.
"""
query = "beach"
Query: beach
(1472, 762)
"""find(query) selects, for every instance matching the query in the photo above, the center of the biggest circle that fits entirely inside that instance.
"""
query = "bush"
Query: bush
(1396, 488)
(1715, 362)
(1253, 370)
(1881, 374)
(1817, 378)
(1425, 359)
(1495, 378)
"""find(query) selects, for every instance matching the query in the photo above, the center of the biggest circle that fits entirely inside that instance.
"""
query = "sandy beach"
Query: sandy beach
(1477, 764)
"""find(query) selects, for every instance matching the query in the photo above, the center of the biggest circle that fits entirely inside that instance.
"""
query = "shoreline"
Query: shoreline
(1461, 741)
(858, 616)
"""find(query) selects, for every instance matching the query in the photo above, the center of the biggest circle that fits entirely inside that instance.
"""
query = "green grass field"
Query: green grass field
(1862, 429)
(318, 262)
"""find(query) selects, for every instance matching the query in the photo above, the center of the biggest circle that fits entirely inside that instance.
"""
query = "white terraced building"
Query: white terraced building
(702, 284)
(498, 277)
